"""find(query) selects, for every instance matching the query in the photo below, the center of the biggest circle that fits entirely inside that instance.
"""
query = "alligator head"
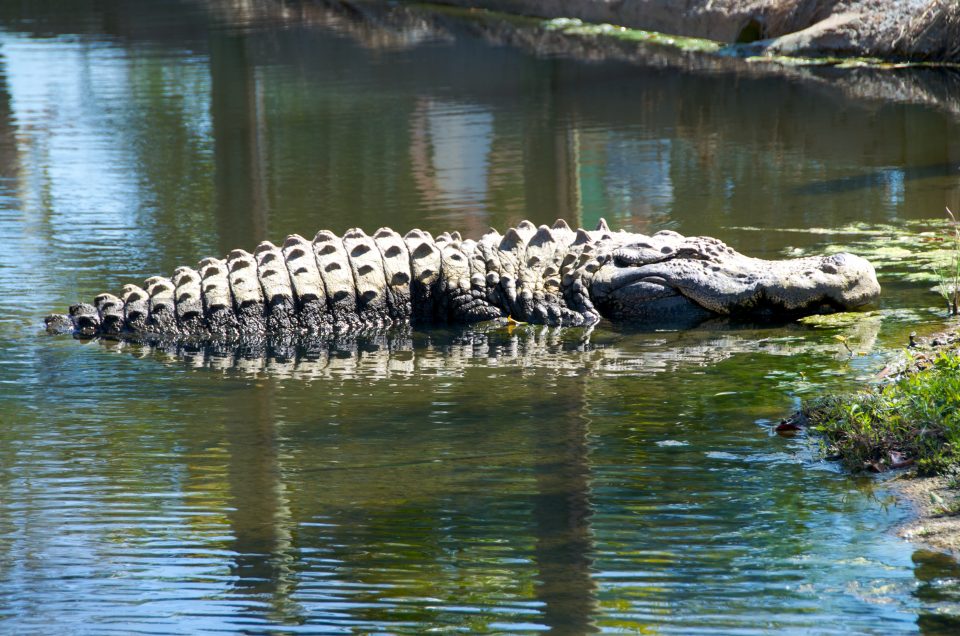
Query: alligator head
(668, 277)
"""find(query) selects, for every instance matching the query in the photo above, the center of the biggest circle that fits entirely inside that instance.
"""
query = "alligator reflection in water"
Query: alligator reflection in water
(407, 353)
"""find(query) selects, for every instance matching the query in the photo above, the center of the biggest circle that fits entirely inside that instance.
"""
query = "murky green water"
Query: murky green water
(504, 481)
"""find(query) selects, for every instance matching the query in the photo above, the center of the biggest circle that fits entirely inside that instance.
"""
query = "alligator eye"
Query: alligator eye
(626, 258)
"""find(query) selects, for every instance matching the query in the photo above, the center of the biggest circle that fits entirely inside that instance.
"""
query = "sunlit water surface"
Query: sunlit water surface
(475, 481)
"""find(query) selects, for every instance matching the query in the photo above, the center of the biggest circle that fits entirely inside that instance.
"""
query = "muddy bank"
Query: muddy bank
(934, 501)
(892, 29)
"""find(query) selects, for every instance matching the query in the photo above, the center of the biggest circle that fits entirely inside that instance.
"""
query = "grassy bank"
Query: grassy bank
(914, 420)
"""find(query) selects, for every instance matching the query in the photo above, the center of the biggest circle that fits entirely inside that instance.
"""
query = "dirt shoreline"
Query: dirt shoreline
(930, 498)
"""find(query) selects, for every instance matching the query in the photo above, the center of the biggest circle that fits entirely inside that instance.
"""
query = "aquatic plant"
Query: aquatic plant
(913, 421)
(949, 275)
(911, 251)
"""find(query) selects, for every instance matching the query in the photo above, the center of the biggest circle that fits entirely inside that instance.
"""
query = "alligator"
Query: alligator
(556, 276)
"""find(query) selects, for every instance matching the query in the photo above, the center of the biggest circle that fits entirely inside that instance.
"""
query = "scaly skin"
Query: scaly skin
(554, 276)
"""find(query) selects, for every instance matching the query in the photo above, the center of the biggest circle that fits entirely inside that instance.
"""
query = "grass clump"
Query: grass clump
(913, 421)
(949, 276)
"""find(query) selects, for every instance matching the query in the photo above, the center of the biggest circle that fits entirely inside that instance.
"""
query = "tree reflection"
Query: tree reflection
(239, 130)
(260, 518)
(562, 511)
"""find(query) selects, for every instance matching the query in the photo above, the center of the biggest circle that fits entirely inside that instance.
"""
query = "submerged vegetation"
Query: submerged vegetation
(914, 420)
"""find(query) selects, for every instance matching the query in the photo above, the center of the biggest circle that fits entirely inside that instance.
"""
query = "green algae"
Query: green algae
(834, 61)
(838, 320)
(848, 319)
(574, 26)
(913, 251)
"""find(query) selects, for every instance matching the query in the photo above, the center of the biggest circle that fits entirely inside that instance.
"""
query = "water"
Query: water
(504, 481)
